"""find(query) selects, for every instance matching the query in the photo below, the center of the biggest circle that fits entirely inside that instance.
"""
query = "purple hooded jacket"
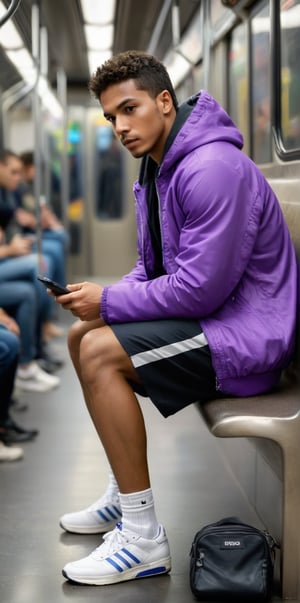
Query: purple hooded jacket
(227, 253)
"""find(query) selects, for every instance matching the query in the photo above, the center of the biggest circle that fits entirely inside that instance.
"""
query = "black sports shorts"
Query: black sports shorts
(172, 359)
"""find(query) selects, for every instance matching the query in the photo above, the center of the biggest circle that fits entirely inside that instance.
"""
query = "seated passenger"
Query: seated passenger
(10, 431)
(17, 262)
(209, 309)
(54, 239)
(18, 297)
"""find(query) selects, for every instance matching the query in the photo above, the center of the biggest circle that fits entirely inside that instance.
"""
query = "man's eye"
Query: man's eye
(129, 108)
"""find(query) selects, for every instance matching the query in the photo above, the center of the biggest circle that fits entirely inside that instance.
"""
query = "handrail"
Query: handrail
(14, 5)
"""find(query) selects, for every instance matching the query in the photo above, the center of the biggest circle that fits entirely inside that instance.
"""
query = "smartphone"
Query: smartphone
(55, 287)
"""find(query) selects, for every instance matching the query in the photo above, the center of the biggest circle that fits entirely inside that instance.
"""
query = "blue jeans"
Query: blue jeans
(27, 268)
(19, 300)
(9, 351)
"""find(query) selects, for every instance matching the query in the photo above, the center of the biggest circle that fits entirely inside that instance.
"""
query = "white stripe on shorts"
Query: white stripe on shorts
(166, 351)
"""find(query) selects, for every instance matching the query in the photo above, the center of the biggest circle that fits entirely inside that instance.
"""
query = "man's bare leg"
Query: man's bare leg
(137, 547)
(104, 369)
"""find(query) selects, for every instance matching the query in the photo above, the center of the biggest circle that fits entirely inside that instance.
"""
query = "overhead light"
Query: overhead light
(23, 62)
(98, 13)
(9, 35)
(96, 59)
(99, 37)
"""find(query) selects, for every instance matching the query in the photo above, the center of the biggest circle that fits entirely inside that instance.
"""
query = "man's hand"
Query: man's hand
(83, 301)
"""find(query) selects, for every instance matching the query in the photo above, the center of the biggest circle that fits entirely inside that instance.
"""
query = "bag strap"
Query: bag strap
(229, 520)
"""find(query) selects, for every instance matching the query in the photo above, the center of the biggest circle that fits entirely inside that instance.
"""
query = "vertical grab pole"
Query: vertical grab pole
(35, 27)
(45, 142)
(65, 184)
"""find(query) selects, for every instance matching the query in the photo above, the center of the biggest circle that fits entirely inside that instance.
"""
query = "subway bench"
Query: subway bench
(273, 416)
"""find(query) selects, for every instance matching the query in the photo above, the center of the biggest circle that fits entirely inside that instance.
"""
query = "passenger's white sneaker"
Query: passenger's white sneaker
(9, 453)
(34, 379)
(102, 516)
(123, 555)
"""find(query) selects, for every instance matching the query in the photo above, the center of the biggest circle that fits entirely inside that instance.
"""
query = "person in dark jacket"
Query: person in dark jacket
(209, 308)
(10, 431)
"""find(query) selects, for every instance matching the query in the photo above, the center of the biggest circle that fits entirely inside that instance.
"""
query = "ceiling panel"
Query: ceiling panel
(134, 24)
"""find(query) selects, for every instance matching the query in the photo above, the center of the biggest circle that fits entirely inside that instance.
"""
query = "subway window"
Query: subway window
(238, 89)
(108, 174)
(261, 86)
(290, 73)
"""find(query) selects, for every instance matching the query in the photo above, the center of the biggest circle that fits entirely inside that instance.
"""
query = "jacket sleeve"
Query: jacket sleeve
(219, 220)
(137, 274)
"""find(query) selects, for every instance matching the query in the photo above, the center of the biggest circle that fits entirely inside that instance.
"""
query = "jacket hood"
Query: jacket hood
(199, 121)
(206, 122)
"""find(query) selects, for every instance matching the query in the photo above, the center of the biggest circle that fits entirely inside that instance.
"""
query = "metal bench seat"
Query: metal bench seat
(274, 416)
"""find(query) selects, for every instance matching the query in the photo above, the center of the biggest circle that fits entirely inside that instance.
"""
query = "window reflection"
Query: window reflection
(290, 73)
(238, 81)
(261, 104)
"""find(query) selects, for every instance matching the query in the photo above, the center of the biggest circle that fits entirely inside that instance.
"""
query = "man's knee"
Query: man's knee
(101, 352)
(74, 335)
(96, 346)
(78, 330)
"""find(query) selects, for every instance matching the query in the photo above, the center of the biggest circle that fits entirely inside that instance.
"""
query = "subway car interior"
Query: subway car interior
(246, 54)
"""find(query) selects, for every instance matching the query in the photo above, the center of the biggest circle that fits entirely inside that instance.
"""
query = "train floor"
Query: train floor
(65, 469)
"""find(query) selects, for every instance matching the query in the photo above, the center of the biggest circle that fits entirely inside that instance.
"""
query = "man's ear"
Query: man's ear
(165, 101)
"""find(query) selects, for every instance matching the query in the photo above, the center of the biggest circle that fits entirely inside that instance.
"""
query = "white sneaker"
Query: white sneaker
(34, 379)
(102, 516)
(123, 555)
(9, 453)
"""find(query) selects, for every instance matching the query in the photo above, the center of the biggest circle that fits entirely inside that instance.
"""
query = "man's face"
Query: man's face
(11, 173)
(141, 122)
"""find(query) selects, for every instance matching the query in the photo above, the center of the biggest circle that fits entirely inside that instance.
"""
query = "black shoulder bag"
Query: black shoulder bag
(232, 561)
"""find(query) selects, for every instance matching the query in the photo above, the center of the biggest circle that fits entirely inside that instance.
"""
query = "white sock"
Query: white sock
(112, 488)
(111, 493)
(138, 513)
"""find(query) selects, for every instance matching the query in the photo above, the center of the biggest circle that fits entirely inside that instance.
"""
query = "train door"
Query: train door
(101, 212)
(100, 216)
(109, 215)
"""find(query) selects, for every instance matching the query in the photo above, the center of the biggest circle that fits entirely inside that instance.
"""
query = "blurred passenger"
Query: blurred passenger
(54, 240)
(10, 431)
(18, 190)
(18, 297)
(208, 310)
(9, 349)
(17, 262)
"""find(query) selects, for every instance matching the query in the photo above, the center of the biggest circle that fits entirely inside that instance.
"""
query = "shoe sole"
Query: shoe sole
(89, 530)
(147, 570)
(35, 388)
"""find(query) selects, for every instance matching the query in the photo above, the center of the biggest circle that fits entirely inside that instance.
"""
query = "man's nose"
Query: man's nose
(121, 125)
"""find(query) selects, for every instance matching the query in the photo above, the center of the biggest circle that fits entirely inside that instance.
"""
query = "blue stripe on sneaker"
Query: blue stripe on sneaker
(111, 513)
(102, 515)
(117, 510)
(123, 559)
(151, 572)
(130, 555)
(114, 564)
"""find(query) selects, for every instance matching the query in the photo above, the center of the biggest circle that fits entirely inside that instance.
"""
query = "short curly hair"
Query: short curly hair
(149, 73)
